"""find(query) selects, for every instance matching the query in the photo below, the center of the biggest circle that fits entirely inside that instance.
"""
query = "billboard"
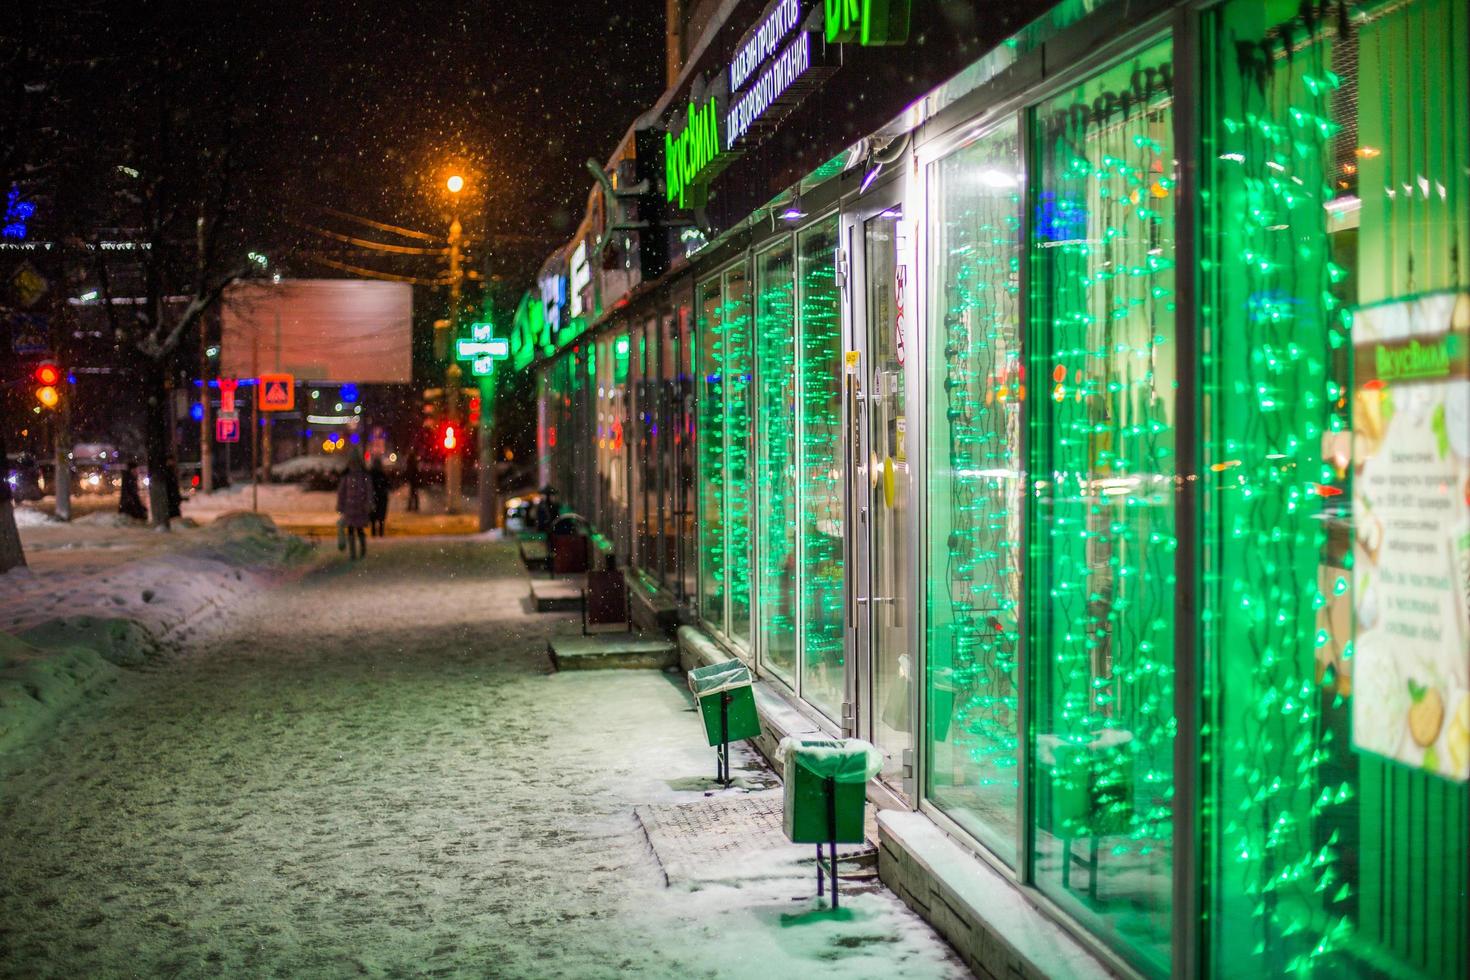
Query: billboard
(354, 330)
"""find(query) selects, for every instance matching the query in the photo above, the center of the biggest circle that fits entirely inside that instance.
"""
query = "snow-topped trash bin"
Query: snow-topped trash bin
(727, 705)
(826, 788)
(826, 793)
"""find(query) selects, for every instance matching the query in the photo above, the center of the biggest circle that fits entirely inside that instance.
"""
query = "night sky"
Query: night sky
(367, 106)
(381, 98)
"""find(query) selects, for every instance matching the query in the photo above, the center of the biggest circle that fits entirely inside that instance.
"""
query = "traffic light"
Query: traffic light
(451, 439)
(47, 376)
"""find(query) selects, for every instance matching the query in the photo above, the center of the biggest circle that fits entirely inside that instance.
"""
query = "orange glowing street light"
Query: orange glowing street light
(455, 184)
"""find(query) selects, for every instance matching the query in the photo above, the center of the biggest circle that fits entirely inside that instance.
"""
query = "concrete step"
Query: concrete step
(556, 594)
(620, 651)
(534, 554)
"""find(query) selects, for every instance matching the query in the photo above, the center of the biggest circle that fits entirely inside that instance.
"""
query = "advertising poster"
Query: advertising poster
(1411, 547)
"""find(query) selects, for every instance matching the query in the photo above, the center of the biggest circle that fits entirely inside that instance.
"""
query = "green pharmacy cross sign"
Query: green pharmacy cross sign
(482, 348)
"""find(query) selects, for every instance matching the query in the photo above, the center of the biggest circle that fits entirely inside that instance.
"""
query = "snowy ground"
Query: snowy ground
(103, 592)
(314, 512)
(372, 771)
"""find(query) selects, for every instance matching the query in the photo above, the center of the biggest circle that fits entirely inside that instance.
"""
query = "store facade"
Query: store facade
(1093, 436)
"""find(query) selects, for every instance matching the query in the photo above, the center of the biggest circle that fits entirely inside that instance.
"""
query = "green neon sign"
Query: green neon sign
(482, 349)
(868, 22)
(688, 154)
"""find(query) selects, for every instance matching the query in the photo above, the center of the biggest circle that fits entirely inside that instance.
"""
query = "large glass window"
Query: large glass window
(1337, 494)
(725, 367)
(643, 460)
(1102, 539)
(710, 440)
(738, 386)
(975, 511)
(684, 443)
(819, 330)
(775, 455)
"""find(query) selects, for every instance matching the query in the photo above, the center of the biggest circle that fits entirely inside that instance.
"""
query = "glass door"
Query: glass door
(883, 584)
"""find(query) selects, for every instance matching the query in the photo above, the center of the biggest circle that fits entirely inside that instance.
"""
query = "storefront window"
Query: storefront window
(975, 512)
(775, 456)
(1337, 494)
(1102, 540)
(710, 440)
(819, 330)
(685, 413)
(644, 459)
(665, 437)
(738, 387)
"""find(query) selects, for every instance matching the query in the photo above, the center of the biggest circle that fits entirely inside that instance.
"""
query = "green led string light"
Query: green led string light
(976, 508)
(1104, 404)
(710, 443)
(1325, 118)
(737, 372)
(821, 468)
(775, 319)
(1279, 323)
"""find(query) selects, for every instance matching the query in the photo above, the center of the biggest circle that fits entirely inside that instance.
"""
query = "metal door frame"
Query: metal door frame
(859, 717)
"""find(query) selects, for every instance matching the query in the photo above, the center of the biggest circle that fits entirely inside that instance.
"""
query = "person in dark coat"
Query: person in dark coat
(414, 480)
(171, 487)
(129, 503)
(547, 509)
(379, 478)
(355, 504)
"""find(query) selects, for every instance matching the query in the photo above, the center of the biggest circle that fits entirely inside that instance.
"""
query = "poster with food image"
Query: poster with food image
(1410, 573)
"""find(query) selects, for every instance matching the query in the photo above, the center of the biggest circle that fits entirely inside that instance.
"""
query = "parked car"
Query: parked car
(26, 478)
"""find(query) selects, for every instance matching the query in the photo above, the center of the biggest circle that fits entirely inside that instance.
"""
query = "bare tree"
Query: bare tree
(168, 232)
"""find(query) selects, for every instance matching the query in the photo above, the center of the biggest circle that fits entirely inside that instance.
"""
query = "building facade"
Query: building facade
(1077, 408)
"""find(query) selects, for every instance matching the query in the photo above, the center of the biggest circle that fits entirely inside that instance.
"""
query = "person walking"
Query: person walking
(379, 478)
(355, 504)
(414, 479)
(130, 502)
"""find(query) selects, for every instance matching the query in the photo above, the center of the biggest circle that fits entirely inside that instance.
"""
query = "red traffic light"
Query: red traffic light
(47, 374)
(451, 439)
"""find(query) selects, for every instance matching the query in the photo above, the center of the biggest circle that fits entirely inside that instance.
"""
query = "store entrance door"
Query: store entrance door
(882, 293)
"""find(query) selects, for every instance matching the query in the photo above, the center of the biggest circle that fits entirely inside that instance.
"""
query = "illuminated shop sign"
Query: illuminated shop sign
(868, 22)
(581, 277)
(762, 42)
(769, 88)
(688, 155)
(553, 298)
(776, 63)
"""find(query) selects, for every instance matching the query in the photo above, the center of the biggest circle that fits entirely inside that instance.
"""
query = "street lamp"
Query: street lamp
(455, 183)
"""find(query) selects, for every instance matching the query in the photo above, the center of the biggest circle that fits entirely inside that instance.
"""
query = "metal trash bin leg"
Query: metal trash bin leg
(831, 836)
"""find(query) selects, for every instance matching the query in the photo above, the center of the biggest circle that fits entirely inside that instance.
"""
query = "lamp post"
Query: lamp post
(453, 374)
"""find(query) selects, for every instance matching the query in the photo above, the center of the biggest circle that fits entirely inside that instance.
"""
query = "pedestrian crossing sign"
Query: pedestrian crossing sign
(275, 392)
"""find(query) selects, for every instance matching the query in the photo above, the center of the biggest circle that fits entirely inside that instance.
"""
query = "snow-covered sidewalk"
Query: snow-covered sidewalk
(375, 772)
(102, 592)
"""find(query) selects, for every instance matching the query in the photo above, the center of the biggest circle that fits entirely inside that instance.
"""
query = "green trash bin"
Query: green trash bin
(727, 683)
(826, 784)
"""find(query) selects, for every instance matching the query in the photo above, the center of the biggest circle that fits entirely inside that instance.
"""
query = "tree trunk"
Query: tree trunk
(155, 439)
(12, 555)
(61, 474)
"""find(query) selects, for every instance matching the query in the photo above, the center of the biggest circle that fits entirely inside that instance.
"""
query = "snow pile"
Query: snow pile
(108, 518)
(72, 622)
(31, 517)
(275, 498)
(306, 466)
(37, 683)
